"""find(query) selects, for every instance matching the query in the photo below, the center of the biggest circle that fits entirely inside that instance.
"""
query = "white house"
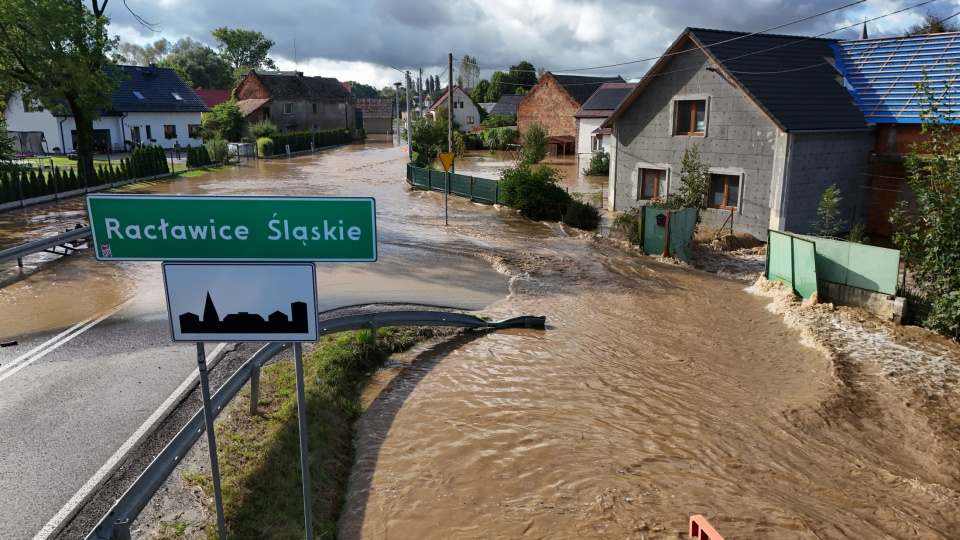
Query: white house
(153, 104)
(465, 112)
(591, 135)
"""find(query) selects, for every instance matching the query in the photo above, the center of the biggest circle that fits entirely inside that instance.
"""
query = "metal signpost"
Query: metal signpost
(279, 303)
(446, 158)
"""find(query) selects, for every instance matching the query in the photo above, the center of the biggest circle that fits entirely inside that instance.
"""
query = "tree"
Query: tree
(204, 68)
(537, 195)
(930, 240)
(828, 213)
(469, 73)
(57, 52)
(360, 90)
(932, 24)
(224, 120)
(535, 143)
(500, 83)
(244, 48)
(524, 74)
(694, 183)
(143, 55)
(6, 143)
(479, 93)
(436, 83)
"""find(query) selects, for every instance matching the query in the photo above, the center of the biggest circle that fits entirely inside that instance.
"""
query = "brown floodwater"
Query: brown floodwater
(656, 392)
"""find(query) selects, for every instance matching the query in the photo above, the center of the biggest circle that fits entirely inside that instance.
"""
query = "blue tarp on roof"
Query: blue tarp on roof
(882, 74)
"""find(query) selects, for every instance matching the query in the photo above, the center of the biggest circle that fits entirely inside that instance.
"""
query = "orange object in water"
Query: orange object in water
(701, 530)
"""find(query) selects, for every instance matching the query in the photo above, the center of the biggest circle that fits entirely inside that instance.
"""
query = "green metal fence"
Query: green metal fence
(800, 261)
(480, 190)
(669, 232)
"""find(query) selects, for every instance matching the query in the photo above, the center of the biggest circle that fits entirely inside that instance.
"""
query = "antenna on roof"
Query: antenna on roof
(295, 65)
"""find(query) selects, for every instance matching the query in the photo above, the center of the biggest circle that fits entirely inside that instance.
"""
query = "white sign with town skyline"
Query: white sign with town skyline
(241, 302)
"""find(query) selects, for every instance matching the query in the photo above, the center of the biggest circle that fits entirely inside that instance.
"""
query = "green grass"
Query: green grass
(260, 455)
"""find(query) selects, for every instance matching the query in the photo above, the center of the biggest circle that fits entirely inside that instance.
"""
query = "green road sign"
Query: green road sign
(176, 228)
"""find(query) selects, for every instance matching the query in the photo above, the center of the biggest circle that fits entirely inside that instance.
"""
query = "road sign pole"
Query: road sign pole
(446, 190)
(211, 438)
(304, 452)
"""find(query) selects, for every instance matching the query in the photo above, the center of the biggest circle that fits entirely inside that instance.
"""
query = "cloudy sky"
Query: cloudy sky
(364, 40)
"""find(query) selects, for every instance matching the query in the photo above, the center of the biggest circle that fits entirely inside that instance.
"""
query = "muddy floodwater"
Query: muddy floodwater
(656, 392)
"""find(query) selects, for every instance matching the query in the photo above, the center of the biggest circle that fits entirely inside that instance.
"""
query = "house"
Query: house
(153, 104)
(590, 117)
(880, 75)
(212, 98)
(769, 117)
(465, 112)
(553, 101)
(294, 102)
(507, 104)
(377, 114)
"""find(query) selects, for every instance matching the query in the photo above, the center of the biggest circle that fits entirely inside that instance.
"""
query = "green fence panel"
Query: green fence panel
(654, 235)
(866, 267)
(683, 225)
(484, 191)
(460, 185)
(792, 260)
(438, 181)
(421, 179)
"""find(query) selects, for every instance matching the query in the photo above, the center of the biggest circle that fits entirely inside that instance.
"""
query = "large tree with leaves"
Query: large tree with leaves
(469, 73)
(142, 55)
(932, 24)
(202, 65)
(244, 49)
(57, 52)
(524, 74)
(930, 239)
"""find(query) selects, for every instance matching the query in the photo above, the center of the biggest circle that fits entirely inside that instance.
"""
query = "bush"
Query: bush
(498, 138)
(599, 165)
(246, 140)
(536, 195)
(218, 150)
(265, 147)
(627, 224)
(582, 215)
(535, 143)
(264, 128)
(499, 120)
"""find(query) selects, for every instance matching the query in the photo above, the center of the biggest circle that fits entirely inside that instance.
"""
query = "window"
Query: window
(314, 108)
(138, 95)
(176, 96)
(596, 143)
(288, 108)
(653, 183)
(469, 119)
(724, 191)
(169, 132)
(691, 117)
(149, 135)
(193, 131)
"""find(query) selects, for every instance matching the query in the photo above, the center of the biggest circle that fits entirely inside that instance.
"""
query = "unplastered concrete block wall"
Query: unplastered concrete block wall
(820, 160)
(740, 139)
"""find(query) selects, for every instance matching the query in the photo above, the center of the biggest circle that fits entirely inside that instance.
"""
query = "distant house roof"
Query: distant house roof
(444, 98)
(507, 104)
(376, 107)
(294, 85)
(582, 87)
(212, 98)
(882, 73)
(487, 106)
(604, 100)
(248, 106)
(152, 89)
(787, 77)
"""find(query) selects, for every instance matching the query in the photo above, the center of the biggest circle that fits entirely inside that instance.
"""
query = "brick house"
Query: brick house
(768, 115)
(378, 114)
(554, 101)
(294, 102)
(881, 74)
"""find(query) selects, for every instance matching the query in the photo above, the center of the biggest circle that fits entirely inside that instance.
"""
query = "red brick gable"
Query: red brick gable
(252, 88)
(550, 104)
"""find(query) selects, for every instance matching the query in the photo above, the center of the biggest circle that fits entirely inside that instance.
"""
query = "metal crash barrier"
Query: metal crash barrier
(48, 245)
(117, 522)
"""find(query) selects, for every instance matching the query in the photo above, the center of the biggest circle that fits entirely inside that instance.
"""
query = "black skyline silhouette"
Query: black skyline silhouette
(245, 323)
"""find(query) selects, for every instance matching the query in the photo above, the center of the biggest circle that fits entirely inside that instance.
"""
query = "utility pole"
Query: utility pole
(409, 127)
(420, 91)
(449, 102)
(397, 99)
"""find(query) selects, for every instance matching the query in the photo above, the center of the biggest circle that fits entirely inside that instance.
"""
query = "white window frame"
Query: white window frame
(288, 108)
(672, 124)
(729, 171)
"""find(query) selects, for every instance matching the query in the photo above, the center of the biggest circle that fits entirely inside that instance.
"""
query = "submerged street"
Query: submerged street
(656, 392)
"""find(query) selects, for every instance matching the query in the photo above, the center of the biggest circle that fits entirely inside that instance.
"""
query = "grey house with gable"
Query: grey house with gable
(767, 113)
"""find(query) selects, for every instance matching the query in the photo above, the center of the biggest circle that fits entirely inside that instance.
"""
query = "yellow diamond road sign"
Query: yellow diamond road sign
(447, 159)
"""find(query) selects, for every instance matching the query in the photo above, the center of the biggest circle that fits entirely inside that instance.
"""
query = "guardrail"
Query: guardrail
(46, 244)
(118, 520)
